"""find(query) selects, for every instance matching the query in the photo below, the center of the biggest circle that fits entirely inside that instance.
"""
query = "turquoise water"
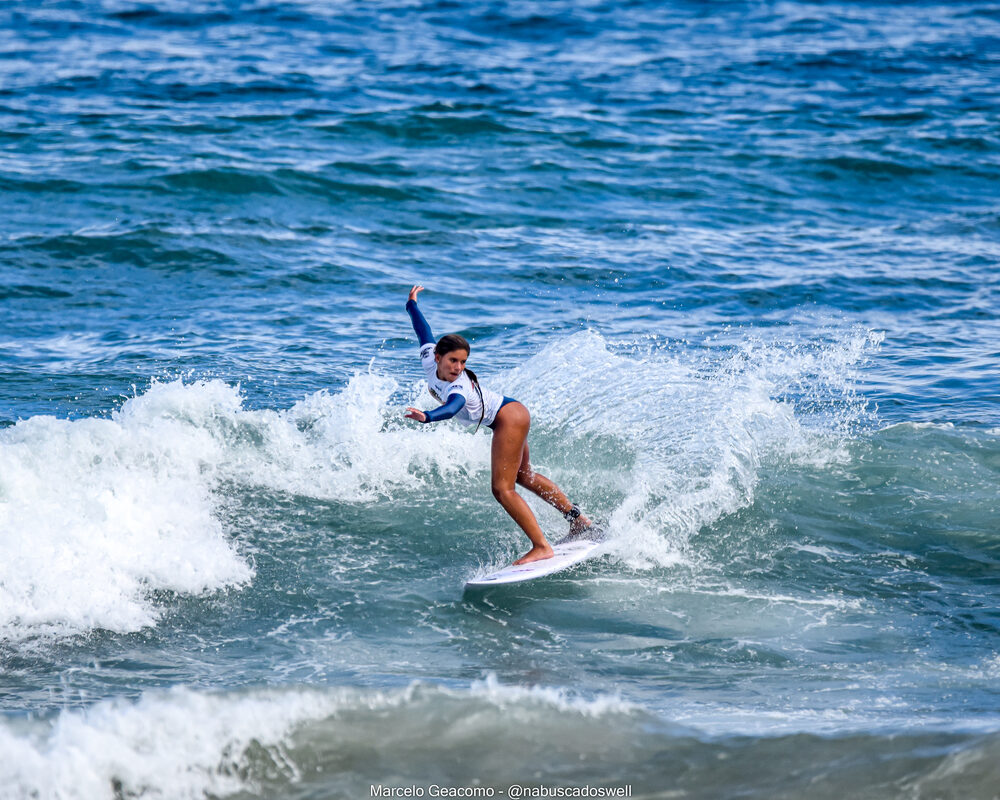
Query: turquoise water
(739, 260)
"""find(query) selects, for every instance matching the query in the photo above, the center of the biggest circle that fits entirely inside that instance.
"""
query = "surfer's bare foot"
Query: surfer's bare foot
(536, 553)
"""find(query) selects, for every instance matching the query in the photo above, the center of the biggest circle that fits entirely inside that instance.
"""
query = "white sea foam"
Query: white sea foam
(699, 428)
(560, 699)
(826, 601)
(98, 514)
(179, 744)
(920, 426)
(350, 446)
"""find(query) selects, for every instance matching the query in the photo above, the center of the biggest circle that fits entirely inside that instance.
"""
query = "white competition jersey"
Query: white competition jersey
(441, 390)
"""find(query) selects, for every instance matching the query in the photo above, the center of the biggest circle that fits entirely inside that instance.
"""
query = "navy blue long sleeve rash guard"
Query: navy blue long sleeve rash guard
(454, 402)
(420, 326)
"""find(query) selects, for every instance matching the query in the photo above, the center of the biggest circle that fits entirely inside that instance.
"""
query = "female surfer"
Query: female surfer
(461, 396)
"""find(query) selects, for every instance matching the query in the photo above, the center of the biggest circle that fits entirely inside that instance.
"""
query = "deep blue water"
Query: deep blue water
(738, 258)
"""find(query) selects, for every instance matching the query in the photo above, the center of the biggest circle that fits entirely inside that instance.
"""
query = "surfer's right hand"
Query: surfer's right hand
(415, 413)
(414, 292)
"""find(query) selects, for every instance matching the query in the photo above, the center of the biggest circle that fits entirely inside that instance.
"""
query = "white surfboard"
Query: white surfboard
(568, 552)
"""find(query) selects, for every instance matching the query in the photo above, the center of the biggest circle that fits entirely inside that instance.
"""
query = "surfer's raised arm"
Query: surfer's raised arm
(420, 326)
(455, 401)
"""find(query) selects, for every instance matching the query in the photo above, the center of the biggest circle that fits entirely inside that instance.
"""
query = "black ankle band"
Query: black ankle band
(573, 513)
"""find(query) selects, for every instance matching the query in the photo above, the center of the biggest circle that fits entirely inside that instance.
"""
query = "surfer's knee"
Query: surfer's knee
(501, 492)
(525, 477)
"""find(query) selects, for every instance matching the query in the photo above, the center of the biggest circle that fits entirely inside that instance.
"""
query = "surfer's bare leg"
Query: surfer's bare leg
(510, 437)
(549, 492)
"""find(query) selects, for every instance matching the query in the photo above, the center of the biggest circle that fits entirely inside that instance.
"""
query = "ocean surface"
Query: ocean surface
(739, 259)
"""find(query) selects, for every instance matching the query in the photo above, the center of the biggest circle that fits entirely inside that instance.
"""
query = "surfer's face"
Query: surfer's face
(450, 365)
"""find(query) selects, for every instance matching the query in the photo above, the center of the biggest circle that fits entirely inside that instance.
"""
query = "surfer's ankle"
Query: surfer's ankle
(578, 523)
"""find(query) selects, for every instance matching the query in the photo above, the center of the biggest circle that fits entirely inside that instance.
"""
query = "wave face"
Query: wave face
(135, 503)
(739, 262)
(99, 514)
(105, 514)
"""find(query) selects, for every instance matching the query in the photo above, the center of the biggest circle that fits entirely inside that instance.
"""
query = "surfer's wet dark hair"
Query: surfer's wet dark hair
(452, 342)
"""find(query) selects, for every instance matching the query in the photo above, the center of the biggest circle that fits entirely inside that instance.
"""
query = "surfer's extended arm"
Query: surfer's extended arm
(420, 326)
(454, 404)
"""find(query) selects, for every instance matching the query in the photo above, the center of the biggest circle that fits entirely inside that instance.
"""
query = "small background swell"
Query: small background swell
(328, 743)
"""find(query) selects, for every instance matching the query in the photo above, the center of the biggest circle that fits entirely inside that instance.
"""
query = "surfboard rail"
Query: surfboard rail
(568, 552)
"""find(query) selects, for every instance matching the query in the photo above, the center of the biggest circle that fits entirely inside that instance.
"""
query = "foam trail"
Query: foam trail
(698, 429)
